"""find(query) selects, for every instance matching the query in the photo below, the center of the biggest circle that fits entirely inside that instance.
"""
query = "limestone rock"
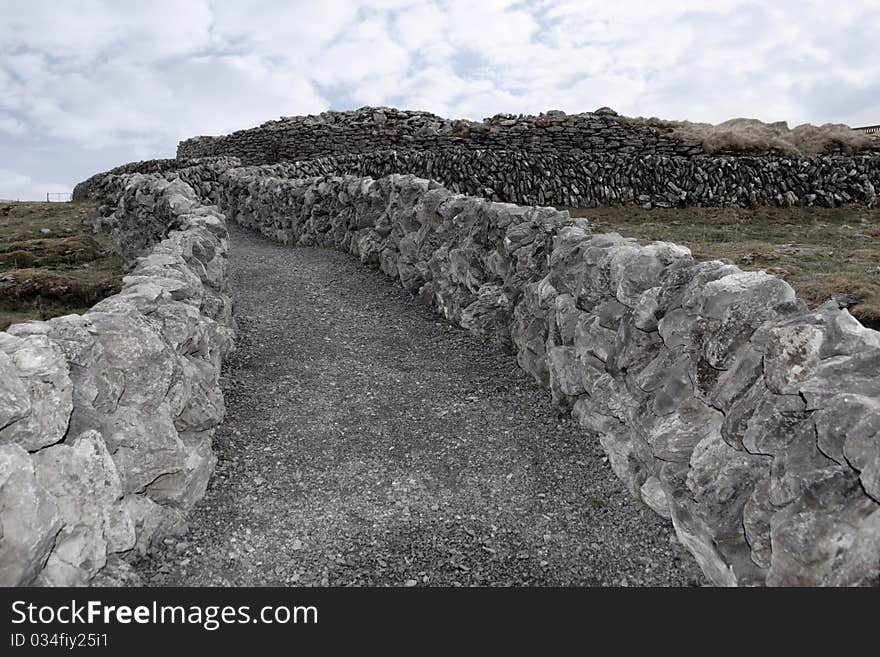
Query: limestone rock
(828, 539)
(117, 573)
(15, 404)
(36, 366)
(84, 482)
(29, 519)
(636, 269)
(654, 496)
(734, 306)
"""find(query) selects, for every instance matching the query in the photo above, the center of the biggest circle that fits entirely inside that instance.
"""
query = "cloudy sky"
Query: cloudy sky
(87, 84)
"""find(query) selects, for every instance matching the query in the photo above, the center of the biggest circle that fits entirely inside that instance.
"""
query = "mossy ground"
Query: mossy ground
(50, 262)
(821, 252)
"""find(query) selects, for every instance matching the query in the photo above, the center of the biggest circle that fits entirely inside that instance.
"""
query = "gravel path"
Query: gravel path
(369, 443)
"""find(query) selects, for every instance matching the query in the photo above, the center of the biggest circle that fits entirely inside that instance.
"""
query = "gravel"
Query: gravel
(368, 442)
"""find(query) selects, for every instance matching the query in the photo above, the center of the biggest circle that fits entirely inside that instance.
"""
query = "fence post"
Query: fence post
(59, 196)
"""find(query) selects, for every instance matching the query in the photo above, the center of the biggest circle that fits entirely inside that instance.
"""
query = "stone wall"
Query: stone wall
(106, 418)
(566, 180)
(577, 181)
(382, 128)
(581, 160)
(94, 187)
(722, 401)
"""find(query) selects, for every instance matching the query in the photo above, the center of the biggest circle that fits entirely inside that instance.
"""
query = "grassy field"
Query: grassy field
(821, 252)
(50, 263)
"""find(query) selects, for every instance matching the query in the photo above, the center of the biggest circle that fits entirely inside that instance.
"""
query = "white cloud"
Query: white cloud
(10, 125)
(137, 77)
(363, 54)
(16, 186)
(84, 31)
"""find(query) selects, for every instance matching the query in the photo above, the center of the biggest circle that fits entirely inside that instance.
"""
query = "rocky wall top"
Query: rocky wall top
(90, 188)
(382, 128)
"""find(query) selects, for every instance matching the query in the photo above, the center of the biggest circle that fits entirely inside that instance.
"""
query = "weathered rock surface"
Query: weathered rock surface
(106, 418)
(35, 396)
(84, 481)
(29, 519)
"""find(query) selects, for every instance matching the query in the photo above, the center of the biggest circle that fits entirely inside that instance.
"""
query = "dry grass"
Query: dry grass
(50, 263)
(821, 252)
(752, 135)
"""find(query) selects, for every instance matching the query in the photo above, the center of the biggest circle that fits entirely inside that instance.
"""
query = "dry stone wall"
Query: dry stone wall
(581, 160)
(383, 128)
(723, 402)
(106, 418)
(566, 180)
(576, 181)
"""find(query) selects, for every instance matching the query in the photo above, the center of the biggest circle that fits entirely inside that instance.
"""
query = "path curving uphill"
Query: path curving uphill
(366, 442)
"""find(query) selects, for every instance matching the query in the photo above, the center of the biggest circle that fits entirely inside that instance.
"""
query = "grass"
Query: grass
(50, 262)
(821, 252)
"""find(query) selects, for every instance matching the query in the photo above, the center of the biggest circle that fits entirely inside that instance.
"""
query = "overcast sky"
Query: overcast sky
(87, 85)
